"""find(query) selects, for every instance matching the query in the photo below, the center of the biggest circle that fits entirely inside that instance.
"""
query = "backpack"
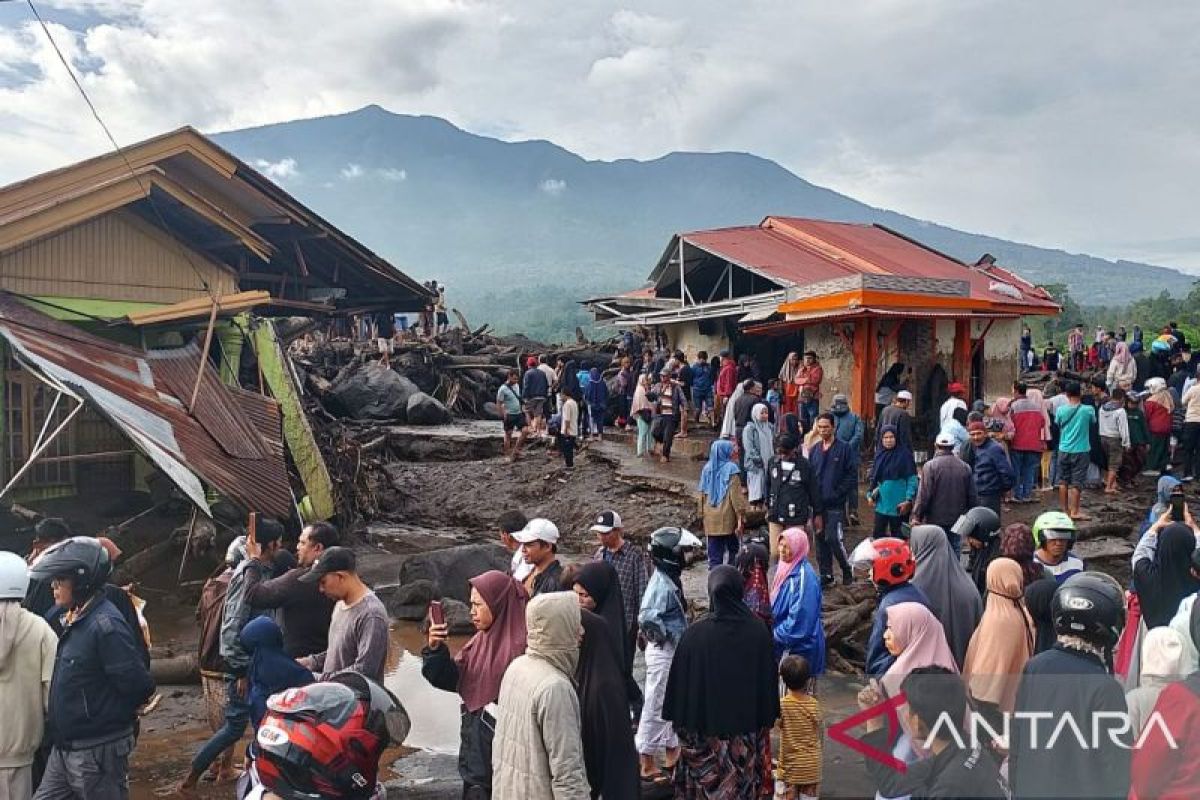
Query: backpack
(790, 492)
(554, 425)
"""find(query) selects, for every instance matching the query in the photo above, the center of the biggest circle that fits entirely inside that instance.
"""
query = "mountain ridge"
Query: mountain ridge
(500, 221)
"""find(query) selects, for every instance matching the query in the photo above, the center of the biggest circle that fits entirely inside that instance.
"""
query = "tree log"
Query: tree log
(178, 670)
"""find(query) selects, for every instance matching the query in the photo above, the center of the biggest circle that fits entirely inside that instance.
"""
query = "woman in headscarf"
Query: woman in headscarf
(568, 381)
(1166, 485)
(1162, 569)
(892, 484)
(722, 504)
(1163, 663)
(271, 669)
(1159, 407)
(728, 422)
(723, 697)
(662, 620)
(796, 603)
(642, 411)
(609, 755)
(956, 428)
(596, 396)
(914, 636)
(752, 564)
(498, 614)
(758, 446)
(1002, 643)
(888, 386)
(1038, 597)
(788, 385)
(1122, 370)
(1016, 542)
(953, 596)
(599, 590)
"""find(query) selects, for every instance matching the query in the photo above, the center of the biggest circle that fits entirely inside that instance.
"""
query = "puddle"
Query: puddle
(434, 713)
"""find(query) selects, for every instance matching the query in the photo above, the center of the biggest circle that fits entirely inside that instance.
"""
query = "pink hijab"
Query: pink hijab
(1122, 355)
(483, 660)
(797, 541)
(1036, 396)
(922, 642)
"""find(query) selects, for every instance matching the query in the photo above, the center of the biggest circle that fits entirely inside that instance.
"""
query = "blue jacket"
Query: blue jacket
(836, 472)
(878, 658)
(797, 613)
(702, 379)
(994, 473)
(99, 678)
(850, 429)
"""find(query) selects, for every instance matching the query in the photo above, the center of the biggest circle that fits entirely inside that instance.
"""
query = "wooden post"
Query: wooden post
(682, 286)
(208, 335)
(962, 351)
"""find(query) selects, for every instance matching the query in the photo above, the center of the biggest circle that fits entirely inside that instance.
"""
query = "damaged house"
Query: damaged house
(861, 296)
(137, 343)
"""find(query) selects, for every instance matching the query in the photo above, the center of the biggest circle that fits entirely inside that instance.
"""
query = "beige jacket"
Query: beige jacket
(27, 650)
(723, 520)
(537, 753)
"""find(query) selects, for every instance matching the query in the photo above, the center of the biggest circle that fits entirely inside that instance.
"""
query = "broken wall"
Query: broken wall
(1001, 355)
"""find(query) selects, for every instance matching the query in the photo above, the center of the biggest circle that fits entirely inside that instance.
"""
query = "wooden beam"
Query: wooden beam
(300, 259)
(208, 334)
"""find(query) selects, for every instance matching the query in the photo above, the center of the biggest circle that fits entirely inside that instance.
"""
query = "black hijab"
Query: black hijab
(601, 581)
(891, 378)
(1038, 596)
(723, 679)
(1162, 582)
(609, 755)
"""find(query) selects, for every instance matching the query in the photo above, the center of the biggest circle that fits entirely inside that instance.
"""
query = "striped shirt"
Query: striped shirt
(800, 733)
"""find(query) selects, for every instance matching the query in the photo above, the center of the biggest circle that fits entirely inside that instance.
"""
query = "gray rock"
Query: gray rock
(423, 409)
(458, 616)
(449, 570)
(373, 392)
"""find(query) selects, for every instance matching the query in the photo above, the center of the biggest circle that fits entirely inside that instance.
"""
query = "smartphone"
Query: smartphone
(1177, 506)
(252, 528)
(437, 615)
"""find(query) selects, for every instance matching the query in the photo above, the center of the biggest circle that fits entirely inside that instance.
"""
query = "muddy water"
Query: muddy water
(434, 713)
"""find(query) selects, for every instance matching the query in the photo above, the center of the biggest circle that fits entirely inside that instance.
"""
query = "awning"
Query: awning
(761, 315)
(234, 443)
(799, 320)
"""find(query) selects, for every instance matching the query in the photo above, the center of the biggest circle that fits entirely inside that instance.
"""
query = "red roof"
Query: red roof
(799, 252)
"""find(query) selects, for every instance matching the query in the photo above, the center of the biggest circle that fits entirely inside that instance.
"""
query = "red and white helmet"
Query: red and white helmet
(893, 563)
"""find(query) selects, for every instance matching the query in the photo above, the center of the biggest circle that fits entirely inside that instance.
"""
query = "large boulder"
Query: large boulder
(449, 570)
(425, 410)
(373, 392)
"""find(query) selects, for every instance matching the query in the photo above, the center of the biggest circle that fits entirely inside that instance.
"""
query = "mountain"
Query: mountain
(520, 231)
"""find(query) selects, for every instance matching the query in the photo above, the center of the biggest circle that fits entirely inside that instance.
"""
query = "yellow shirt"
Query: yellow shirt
(800, 733)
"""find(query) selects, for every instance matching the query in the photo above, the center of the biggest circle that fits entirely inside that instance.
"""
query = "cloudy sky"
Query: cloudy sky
(1069, 124)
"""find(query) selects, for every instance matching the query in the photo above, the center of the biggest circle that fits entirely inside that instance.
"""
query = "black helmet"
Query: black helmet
(1089, 605)
(665, 548)
(80, 558)
(979, 523)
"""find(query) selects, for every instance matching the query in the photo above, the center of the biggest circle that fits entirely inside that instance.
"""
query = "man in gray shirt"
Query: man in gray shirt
(358, 632)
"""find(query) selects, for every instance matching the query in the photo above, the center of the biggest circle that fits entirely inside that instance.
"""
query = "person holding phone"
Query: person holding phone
(498, 614)
(1162, 562)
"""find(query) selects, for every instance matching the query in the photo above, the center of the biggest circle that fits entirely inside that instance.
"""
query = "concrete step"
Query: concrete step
(695, 446)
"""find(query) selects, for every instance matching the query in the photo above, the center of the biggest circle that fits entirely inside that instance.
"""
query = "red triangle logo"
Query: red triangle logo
(840, 732)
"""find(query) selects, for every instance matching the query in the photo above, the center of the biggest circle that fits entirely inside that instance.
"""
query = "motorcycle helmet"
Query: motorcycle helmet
(14, 577)
(80, 558)
(324, 740)
(979, 523)
(666, 550)
(1053, 525)
(1089, 605)
(893, 564)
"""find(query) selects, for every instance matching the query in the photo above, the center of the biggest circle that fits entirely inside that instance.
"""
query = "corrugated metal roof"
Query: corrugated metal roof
(128, 388)
(799, 252)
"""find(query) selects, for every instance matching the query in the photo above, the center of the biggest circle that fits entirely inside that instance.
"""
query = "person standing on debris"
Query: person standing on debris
(1114, 436)
(669, 406)
(358, 631)
(850, 429)
(702, 389)
(723, 507)
(642, 411)
(1074, 421)
(835, 470)
(439, 305)
(535, 388)
(568, 427)
(633, 573)
(793, 496)
(539, 546)
(27, 652)
(596, 396)
(809, 379)
(304, 612)
(508, 524)
(896, 416)
(537, 753)
(498, 613)
(508, 397)
(99, 680)
(1159, 407)
(1030, 432)
(993, 471)
(662, 619)
(625, 386)
(259, 556)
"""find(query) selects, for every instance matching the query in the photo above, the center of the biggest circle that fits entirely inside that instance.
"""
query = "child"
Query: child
(800, 732)
(774, 399)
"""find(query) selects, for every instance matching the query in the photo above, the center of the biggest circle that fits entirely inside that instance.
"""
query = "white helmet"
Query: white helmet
(14, 577)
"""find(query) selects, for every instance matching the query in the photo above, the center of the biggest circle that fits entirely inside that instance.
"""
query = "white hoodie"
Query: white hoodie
(27, 650)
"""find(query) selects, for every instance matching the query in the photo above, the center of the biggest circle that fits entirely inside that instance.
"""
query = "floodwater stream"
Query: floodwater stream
(434, 713)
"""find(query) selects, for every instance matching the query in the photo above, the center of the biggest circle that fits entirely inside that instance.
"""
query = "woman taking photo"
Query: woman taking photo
(498, 613)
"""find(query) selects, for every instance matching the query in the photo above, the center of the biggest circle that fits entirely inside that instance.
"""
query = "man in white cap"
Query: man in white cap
(947, 488)
(631, 564)
(539, 545)
(898, 417)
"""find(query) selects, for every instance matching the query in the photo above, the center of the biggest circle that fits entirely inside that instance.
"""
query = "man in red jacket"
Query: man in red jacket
(726, 383)
(1029, 440)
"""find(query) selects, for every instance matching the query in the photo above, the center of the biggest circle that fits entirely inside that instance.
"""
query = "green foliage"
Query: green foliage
(1152, 313)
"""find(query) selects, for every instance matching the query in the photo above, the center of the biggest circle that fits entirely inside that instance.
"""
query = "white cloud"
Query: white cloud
(553, 186)
(282, 170)
(352, 171)
(392, 174)
(1043, 121)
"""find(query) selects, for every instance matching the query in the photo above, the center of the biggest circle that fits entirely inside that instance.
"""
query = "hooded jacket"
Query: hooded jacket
(27, 646)
(537, 753)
